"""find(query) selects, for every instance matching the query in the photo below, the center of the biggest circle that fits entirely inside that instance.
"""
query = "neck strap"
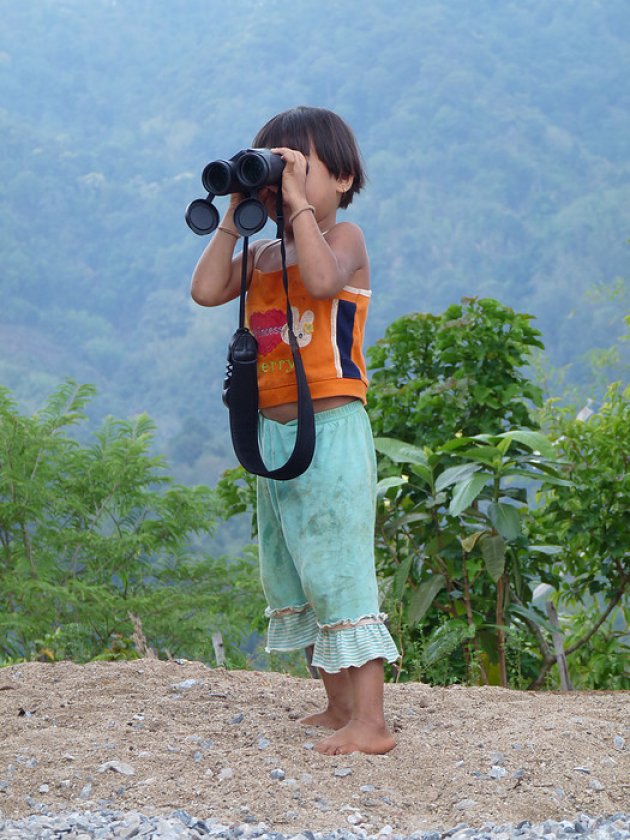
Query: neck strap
(241, 387)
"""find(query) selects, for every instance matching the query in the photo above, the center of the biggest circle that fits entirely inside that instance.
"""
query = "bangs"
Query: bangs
(289, 129)
(307, 129)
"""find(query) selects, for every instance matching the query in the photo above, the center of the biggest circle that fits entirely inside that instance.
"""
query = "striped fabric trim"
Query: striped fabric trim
(291, 629)
(352, 646)
(333, 337)
(354, 291)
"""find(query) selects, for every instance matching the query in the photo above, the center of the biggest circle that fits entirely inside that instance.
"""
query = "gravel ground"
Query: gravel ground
(132, 748)
(180, 824)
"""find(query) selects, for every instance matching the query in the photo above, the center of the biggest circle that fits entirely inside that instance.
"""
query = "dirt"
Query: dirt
(211, 746)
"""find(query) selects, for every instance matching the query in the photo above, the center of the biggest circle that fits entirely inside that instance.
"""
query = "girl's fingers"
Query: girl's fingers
(290, 155)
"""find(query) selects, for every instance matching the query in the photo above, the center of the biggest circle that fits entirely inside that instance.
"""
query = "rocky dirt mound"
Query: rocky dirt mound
(156, 736)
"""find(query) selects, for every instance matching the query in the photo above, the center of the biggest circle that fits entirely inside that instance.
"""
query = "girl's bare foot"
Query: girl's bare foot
(358, 736)
(339, 695)
(331, 718)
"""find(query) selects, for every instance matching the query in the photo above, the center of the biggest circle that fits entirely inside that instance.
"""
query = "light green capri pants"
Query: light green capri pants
(316, 543)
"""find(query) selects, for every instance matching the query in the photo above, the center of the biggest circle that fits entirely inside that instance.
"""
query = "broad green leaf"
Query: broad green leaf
(400, 577)
(455, 443)
(393, 524)
(546, 549)
(469, 542)
(399, 451)
(506, 519)
(423, 472)
(544, 477)
(483, 454)
(532, 615)
(423, 597)
(536, 441)
(493, 551)
(454, 474)
(386, 484)
(467, 491)
(446, 639)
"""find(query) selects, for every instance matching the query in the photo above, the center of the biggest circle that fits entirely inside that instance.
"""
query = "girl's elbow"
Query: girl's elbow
(201, 297)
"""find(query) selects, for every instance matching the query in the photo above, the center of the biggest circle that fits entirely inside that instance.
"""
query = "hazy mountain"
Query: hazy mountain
(496, 137)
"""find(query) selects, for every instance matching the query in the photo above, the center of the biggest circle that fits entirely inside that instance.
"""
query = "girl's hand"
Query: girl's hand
(293, 177)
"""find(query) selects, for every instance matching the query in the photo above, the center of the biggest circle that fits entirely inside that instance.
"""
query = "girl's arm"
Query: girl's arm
(330, 255)
(329, 263)
(217, 276)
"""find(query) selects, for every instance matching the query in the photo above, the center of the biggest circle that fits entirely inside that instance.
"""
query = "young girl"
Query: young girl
(316, 532)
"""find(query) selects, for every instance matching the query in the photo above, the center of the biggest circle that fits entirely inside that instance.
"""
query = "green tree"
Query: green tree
(462, 542)
(590, 518)
(90, 534)
(452, 539)
(462, 372)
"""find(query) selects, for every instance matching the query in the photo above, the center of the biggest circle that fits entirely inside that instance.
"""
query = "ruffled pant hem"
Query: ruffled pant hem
(343, 644)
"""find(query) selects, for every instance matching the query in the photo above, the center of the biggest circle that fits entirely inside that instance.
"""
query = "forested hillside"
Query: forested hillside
(496, 137)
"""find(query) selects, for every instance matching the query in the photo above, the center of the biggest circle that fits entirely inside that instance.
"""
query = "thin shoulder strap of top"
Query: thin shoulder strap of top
(260, 251)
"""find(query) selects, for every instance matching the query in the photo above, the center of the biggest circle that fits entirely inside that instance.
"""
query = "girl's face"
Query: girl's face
(321, 189)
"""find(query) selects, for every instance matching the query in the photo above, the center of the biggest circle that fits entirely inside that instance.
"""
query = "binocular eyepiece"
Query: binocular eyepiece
(246, 172)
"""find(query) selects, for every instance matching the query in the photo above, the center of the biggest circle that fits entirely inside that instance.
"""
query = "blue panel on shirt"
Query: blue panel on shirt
(345, 329)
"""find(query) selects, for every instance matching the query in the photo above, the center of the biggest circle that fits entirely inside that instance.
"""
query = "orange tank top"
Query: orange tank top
(329, 333)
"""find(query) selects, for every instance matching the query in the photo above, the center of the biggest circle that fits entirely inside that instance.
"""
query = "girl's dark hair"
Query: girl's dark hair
(304, 127)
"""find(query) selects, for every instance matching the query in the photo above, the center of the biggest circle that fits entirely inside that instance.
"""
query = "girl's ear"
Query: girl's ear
(344, 183)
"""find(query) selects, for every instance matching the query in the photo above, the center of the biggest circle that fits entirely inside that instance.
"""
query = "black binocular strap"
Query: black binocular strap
(243, 388)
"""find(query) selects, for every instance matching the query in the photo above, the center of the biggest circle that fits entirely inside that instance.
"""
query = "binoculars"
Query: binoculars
(246, 172)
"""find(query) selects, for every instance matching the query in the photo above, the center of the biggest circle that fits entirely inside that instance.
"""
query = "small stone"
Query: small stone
(595, 784)
(367, 789)
(225, 774)
(43, 788)
(342, 772)
(465, 804)
(497, 758)
(263, 743)
(131, 828)
(386, 831)
(308, 745)
(183, 816)
(239, 718)
(355, 819)
(185, 685)
(278, 774)
(584, 770)
(619, 742)
(497, 772)
(86, 791)
(117, 767)
(519, 773)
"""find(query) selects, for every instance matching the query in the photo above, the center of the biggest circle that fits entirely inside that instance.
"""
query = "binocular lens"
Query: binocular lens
(202, 217)
(217, 177)
(253, 170)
